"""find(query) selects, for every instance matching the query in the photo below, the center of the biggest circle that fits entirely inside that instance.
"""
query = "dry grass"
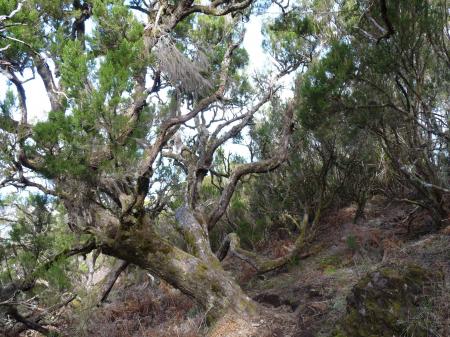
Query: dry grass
(433, 312)
(143, 312)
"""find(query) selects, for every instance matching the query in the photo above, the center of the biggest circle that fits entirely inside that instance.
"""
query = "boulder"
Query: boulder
(386, 302)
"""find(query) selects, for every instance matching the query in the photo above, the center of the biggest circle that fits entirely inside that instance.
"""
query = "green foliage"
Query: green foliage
(74, 68)
(8, 104)
(38, 233)
(290, 38)
(323, 87)
(352, 243)
(58, 277)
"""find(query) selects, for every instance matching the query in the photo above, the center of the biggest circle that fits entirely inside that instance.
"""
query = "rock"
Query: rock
(446, 230)
(383, 303)
(271, 299)
(276, 300)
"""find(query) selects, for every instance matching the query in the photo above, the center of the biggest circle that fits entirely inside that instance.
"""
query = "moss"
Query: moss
(202, 270)
(329, 270)
(215, 263)
(330, 264)
(190, 241)
(338, 333)
(216, 289)
(383, 301)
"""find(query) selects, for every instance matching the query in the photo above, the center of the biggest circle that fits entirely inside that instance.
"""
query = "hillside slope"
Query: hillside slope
(309, 297)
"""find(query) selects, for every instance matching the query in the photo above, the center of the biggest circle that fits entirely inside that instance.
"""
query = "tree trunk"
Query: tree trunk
(206, 282)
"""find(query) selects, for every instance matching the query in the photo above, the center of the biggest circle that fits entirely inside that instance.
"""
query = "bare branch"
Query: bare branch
(376, 24)
(177, 157)
(38, 318)
(387, 21)
(112, 278)
(280, 155)
(53, 92)
(169, 126)
(30, 324)
(235, 130)
(140, 9)
(231, 246)
(214, 9)
(7, 71)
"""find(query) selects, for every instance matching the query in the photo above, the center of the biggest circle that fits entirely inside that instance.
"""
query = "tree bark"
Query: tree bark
(231, 246)
(204, 281)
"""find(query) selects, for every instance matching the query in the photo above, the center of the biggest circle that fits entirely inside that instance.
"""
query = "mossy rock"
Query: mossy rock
(385, 302)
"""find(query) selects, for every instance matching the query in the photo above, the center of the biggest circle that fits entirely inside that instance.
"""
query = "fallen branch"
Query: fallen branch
(29, 324)
(231, 246)
(112, 278)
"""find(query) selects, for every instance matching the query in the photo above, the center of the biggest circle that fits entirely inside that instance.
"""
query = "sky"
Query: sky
(38, 103)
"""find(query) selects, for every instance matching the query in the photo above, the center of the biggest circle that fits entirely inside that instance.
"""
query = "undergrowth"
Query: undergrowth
(141, 312)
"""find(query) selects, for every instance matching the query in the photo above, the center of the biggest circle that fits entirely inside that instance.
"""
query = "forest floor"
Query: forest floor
(306, 298)
(315, 289)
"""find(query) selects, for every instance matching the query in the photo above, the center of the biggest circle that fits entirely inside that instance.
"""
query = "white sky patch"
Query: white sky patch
(258, 60)
(38, 103)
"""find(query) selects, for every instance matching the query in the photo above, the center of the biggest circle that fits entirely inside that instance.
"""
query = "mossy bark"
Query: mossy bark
(204, 281)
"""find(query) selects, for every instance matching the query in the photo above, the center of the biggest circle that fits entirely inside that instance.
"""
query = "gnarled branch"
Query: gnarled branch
(267, 165)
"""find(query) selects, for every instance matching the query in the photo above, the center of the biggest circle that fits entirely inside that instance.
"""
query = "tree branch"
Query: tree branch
(169, 126)
(9, 290)
(387, 21)
(214, 9)
(46, 75)
(7, 71)
(280, 155)
(112, 278)
(231, 246)
(30, 324)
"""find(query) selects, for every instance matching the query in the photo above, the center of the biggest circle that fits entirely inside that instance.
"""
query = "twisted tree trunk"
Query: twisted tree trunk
(201, 277)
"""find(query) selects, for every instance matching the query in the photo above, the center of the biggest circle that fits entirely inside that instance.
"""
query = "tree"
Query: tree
(382, 75)
(145, 97)
(411, 95)
(112, 150)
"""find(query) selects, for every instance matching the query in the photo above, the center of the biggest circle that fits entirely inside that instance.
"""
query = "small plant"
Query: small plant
(329, 270)
(352, 243)
(331, 261)
(294, 261)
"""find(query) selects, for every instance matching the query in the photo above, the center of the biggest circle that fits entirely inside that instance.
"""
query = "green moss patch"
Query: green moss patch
(384, 302)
